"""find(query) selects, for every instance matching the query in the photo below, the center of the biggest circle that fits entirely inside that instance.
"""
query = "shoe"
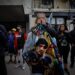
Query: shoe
(71, 65)
(23, 68)
(10, 61)
(67, 71)
(17, 66)
(14, 62)
(18, 61)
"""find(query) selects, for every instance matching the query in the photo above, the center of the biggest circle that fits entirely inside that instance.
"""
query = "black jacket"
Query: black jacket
(72, 36)
(3, 40)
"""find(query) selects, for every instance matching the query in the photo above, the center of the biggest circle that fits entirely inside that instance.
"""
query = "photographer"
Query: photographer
(35, 58)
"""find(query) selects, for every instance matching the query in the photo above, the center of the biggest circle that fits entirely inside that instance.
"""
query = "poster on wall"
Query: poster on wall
(60, 20)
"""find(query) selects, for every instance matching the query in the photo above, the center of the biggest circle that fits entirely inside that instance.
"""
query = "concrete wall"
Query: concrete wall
(11, 2)
(27, 6)
(25, 3)
(59, 4)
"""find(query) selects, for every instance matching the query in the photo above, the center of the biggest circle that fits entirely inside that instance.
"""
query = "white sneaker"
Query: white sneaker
(17, 66)
(23, 67)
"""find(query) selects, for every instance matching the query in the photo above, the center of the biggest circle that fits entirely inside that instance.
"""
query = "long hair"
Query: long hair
(64, 27)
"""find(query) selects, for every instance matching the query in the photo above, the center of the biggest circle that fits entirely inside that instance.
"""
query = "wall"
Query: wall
(27, 6)
(25, 3)
(11, 2)
(61, 5)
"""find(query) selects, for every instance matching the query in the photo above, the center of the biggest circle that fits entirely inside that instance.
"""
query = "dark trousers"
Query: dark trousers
(64, 52)
(72, 54)
(3, 70)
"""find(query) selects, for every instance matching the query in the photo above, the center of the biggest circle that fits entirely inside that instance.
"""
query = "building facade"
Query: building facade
(63, 11)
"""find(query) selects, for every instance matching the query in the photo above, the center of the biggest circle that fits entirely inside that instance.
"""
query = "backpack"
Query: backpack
(11, 40)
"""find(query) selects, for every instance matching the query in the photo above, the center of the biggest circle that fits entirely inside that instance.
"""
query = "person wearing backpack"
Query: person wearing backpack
(11, 45)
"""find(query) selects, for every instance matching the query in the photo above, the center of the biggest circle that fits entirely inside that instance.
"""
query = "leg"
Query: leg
(15, 55)
(3, 70)
(72, 56)
(65, 57)
(10, 60)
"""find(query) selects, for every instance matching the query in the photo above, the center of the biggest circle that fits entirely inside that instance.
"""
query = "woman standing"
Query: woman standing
(63, 45)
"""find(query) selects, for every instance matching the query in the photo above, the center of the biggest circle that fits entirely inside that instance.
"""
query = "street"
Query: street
(12, 70)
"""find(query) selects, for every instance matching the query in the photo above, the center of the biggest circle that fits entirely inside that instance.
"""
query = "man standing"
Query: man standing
(72, 38)
(3, 44)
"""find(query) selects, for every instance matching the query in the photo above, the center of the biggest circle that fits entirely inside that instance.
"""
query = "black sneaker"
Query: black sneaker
(67, 71)
(10, 61)
(14, 62)
(18, 61)
(71, 65)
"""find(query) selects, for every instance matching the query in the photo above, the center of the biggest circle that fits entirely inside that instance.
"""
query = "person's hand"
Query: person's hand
(44, 54)
(34, 63)
(66, 31)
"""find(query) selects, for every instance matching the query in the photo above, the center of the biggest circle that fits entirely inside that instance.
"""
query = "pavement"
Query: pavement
(12, 70)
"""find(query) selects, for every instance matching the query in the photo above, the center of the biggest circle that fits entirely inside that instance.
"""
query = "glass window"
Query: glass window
(60, 20)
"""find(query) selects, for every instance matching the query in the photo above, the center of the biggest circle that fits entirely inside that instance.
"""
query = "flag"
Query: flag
(50, 18)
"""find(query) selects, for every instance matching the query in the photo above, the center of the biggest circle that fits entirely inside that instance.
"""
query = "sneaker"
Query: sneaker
(71, 65)
(10, 61)
(67, 71)
(14, 62)
(18, 61)
(23, 67)
(18, 66)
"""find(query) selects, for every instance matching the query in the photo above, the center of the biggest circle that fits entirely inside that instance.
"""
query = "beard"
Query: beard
(41, 52)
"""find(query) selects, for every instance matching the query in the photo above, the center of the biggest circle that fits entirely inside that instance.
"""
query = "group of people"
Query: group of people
(44, 49)
(16, 39)
(64, 40)
(11, 42)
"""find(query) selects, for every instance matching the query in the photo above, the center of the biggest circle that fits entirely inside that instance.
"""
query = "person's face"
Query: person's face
(41, 49)
(41, 20)
(9, 32)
